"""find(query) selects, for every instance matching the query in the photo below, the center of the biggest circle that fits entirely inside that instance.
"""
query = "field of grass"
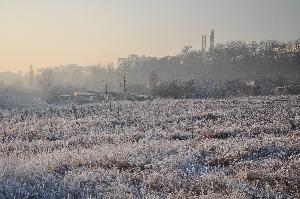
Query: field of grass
(226, 148)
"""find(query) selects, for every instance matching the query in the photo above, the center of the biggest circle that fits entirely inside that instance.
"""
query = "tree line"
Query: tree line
(228, 69)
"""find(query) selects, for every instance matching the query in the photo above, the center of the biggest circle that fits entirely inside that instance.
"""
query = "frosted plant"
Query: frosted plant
(230, 148)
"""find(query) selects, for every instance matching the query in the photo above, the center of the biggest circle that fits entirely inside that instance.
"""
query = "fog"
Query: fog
(220, 70)
(147, 48)
(149, 99)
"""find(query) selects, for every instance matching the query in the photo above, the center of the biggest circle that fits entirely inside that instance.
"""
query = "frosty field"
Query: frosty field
(225, 148)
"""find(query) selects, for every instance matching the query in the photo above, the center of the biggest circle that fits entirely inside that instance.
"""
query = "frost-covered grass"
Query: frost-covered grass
(231, 148)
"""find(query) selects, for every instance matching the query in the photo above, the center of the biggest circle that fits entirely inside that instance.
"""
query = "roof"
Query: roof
(84, 94)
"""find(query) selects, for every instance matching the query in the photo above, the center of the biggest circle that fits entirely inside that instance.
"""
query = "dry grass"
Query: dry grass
(162, 149)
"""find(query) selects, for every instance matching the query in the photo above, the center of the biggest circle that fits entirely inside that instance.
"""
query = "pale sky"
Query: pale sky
(53, 32)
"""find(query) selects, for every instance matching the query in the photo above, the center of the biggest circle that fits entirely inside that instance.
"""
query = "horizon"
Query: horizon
(52, 33)
(149, 99)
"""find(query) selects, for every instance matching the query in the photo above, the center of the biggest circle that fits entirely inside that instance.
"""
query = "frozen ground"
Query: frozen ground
(233, 148)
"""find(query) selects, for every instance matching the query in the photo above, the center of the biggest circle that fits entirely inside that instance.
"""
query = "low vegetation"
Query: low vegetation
(227, 148)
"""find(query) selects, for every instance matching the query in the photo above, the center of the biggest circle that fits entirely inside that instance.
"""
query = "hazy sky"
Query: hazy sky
(53, 32)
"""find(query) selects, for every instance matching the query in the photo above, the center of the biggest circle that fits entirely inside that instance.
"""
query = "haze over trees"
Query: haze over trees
(191, 73)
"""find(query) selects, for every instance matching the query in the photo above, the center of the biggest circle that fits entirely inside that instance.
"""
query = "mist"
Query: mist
(218, 70)
(149, 99)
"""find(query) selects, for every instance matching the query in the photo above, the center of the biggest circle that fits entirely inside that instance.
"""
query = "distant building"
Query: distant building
(88, 96)
(61, 68)
(134, 59)
(68, 70)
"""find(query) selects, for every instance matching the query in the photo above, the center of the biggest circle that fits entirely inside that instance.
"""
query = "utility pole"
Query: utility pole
(124, 84)
(106, 91)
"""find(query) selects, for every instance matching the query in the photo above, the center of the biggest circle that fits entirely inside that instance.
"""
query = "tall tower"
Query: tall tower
(31, 77)
(212, 39)
(203, 42)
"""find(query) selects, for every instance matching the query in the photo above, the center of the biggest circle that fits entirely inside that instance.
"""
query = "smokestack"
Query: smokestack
(203, 42)
(212, 39)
